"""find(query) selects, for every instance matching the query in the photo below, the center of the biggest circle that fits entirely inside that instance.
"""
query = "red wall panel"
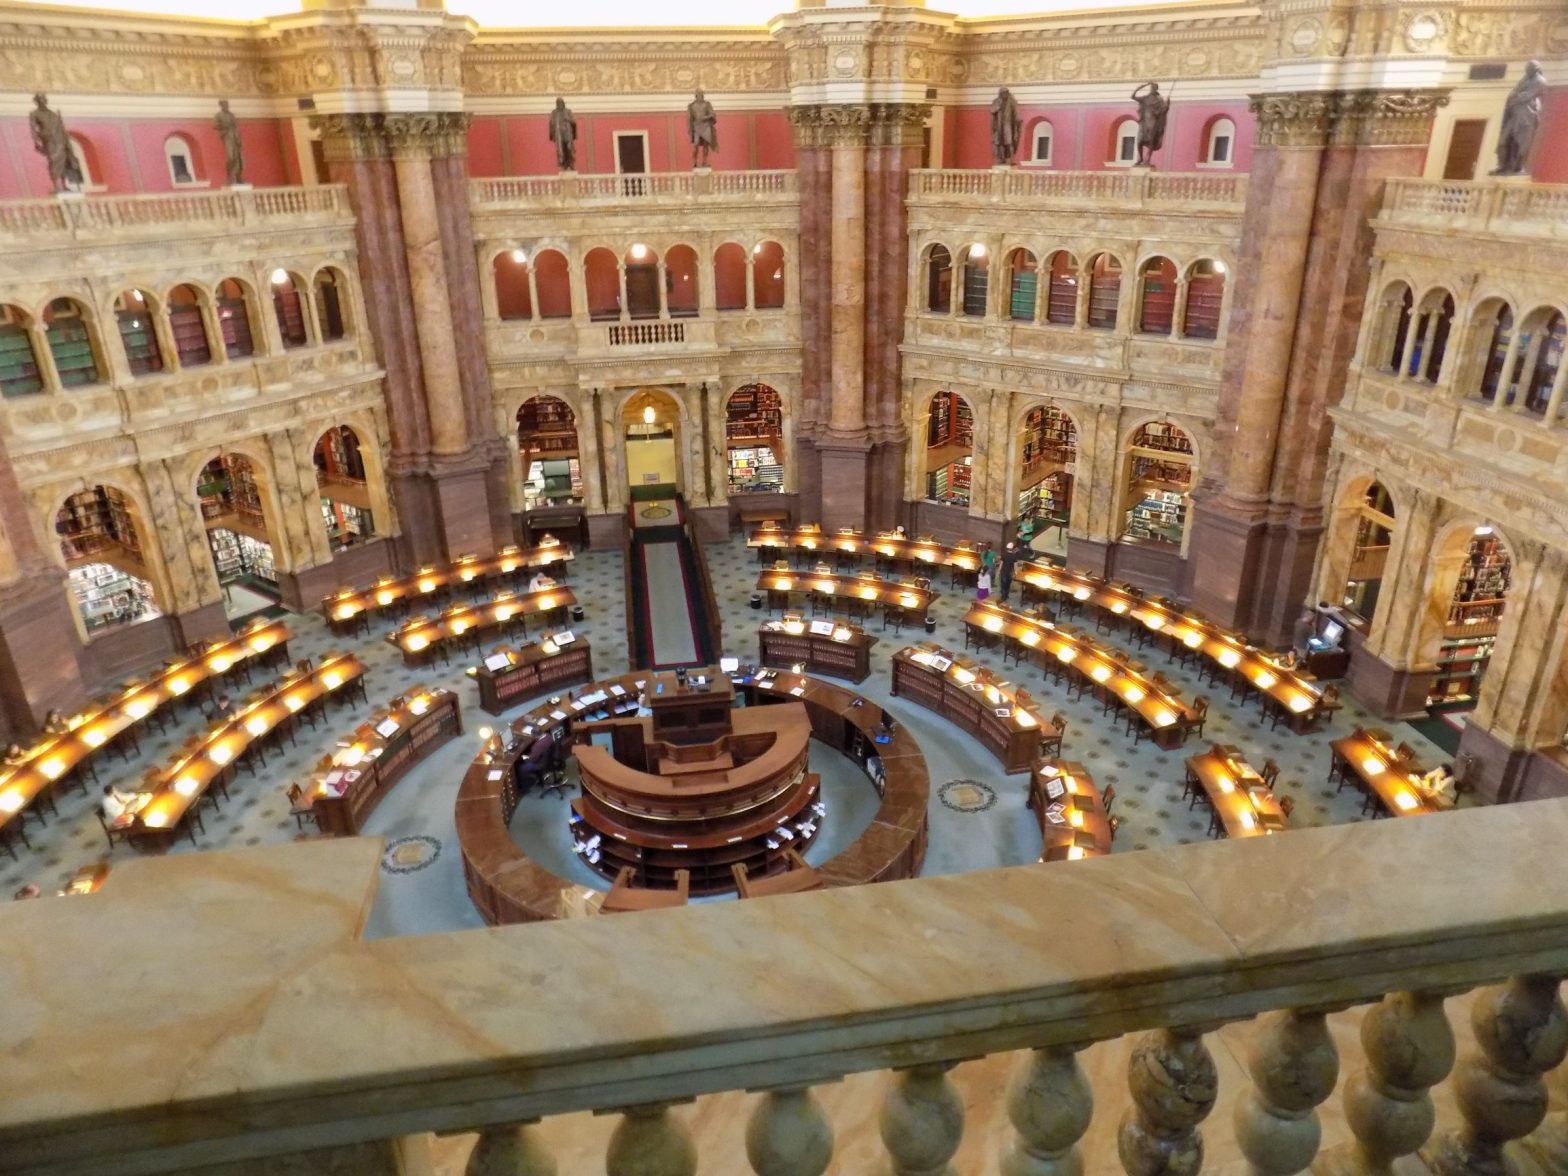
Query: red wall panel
(1081, 135)
(1551, 141)
(484, 148)
(775, 144)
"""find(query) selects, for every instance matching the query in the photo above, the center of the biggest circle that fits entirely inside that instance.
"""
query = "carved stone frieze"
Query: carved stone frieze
(1314, 118)
(499, 66)
(426, 135)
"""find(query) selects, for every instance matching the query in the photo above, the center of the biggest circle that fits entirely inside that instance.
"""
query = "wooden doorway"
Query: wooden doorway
(631, 160)
(1464, 148)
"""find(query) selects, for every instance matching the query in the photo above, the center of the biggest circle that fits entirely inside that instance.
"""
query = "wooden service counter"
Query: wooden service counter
(507, 887)
(1071, 812)
(510, 674)
(346, 609)
(997, 713)
(158, 812)
(1243, 802)
(378, 754)
(887, 546)
(1378, 769)
(422, 638)
(1300, 699)
(1106, 672)
(826, 647)
(851, 594)
(55, 758)
(742, 797)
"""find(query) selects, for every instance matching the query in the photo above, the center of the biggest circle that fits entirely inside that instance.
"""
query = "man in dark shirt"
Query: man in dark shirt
(1004, 583)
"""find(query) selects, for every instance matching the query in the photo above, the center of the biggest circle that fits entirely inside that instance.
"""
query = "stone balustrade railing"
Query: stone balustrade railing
(1509, 208)
(569, 190)
(95, 218)
(207, 1046)
(1135, 188)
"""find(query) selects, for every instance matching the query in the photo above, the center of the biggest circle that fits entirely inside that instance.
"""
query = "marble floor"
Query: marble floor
(422, 887)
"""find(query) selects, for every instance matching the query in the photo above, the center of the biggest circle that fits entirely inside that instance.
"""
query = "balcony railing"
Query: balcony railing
(287, 1034)
(95, 218)
(1139, 188)
(1509, 209)
(572, 190)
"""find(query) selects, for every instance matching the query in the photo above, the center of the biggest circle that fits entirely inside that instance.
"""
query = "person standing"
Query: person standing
(983, 585)
(988, 562)
(1004, 583)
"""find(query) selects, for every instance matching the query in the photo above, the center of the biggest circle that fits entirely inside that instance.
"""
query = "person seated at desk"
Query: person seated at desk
(54, 723)
(1440, 786)
(15, 754)
(116, 805)
(1288, 660)
(540, 582)
(643, 709)
(29, 891)
(222, 710)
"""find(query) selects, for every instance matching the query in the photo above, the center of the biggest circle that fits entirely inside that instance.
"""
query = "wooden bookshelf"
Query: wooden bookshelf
(71, 347)
(234, 323)
(190, 335)
(19, 373)
(1205, 300)
(841, 651)
(1105, 291)
(140, 341)
(509, 675)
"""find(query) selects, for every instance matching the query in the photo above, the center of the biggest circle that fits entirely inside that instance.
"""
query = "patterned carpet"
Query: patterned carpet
(977, 821)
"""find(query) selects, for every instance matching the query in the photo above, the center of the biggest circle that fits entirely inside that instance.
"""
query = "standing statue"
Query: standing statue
(51, 141)
(1006, 126)
(563, 133)
(701, 128)
(1152, 109)
(1521, 118)
(228, 129)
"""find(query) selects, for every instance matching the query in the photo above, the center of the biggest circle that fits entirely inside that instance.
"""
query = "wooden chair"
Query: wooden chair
(1193, 789)
(1270, 772)
(893, 613)
(1108, 798)
(1287, 805)
(1114, 823)
(301, 807)
(1200, 716)
(1216, 826)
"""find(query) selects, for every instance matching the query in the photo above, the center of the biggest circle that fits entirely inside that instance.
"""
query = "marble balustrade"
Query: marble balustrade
(323, 1053)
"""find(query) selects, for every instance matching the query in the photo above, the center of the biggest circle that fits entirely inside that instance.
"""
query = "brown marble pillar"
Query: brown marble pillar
(812, 176)
(1316, 179)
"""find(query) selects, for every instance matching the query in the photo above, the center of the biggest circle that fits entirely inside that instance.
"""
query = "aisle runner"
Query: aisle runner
(660, 589)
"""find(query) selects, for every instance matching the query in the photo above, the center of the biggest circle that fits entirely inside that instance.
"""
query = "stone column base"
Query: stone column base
(712, 523)
(1089, 555)
(350, 568)
(843, 483)
(40, 653)
(1223, 562)
(1154, 567)
(606, 531)
(1500, 773)
(1387, 692)
(808, 477)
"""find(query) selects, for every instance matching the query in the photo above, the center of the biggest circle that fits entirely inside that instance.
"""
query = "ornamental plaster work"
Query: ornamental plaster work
(1454, 30)
(1348, 117)
(502, 63)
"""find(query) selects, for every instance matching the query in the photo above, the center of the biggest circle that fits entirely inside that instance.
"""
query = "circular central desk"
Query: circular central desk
(508, 887)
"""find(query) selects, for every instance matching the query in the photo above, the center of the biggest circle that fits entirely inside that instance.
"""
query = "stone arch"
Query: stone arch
(936, 268)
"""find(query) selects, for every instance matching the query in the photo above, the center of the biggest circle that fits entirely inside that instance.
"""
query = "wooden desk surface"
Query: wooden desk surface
(368, 740)
(864, 587)
(995, 690)
(182, 784)
(1106, 667)
(1071, 812)
(810, 537)
(1378, 766)
(1245, 804)
(421, 632)
(348, 602)
(1293, 689)
(55, 755)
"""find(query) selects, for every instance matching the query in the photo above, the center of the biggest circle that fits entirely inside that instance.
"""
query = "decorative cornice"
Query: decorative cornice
(1368, 118)
(426, 135)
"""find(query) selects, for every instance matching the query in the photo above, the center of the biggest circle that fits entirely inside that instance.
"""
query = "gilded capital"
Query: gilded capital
(898, 124)
(425, 135)
(858, 124)
(1301, 119)
(1367, 118)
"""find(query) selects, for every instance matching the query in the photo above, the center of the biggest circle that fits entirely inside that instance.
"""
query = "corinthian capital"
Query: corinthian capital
(1376, 118)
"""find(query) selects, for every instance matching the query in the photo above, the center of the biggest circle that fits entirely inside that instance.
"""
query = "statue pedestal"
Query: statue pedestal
(701, 170)
(1001, 167)
(239, 187)
(1513, 180)
(69, 195)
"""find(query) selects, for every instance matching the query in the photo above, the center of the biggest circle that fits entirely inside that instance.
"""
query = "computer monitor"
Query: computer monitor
(729, 665)
(1332, 632)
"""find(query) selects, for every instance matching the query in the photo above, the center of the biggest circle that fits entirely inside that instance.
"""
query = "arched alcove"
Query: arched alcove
(950, 446)
(754, 440)
(547, 449)
(343, 486)
(1159, 481)
(106, 571)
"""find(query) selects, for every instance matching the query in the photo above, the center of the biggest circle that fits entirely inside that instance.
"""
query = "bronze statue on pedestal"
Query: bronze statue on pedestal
(51, 141)
(1152, 111)
(1005, 127)
(1521, 119)
(702, 129)
(228, 129)
(563, 133)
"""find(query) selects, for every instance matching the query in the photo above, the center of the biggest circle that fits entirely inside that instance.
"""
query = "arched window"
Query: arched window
(1219, 145)
(340, 481)
(229, 496)
(107, 574)
(331, 308)
(1544, 357)
(1493, 378)
(680, 281)
(1205, 299)
(553, 284)
(1124, 143)
(71, 343)
(1157, 293)
(1475, 611)
(234, 318)
(1040, 142)
(1061, 303)
(1024, 286)
(1105, 291)
(189, 329)
(1159, 477)
(1430, 342)
(86, 160)
(729, 277)
(20, 374)
(1400, 314)
(950, 444)
(289, 307)
(939, 280)
(642, 282)
(603, 279)
(754, 437)
(510, 270)
(1369, 556)
(1047, 445)
(180, 156)
(976, 279)
(767, 275)
(547, 445)
(135, 313)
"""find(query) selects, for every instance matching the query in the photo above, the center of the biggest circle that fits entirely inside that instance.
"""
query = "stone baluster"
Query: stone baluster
(1173, 1082)
(1522, 1030)
(788, 1135)
(1547, 1145)
(510, 1151)
(922, 1121)
(1294, 1067)
(1409, 1048)
(649, 1141)
(1050, 1104)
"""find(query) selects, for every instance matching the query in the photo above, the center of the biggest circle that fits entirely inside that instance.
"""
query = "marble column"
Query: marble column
(847, 411)
(1317, 177)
